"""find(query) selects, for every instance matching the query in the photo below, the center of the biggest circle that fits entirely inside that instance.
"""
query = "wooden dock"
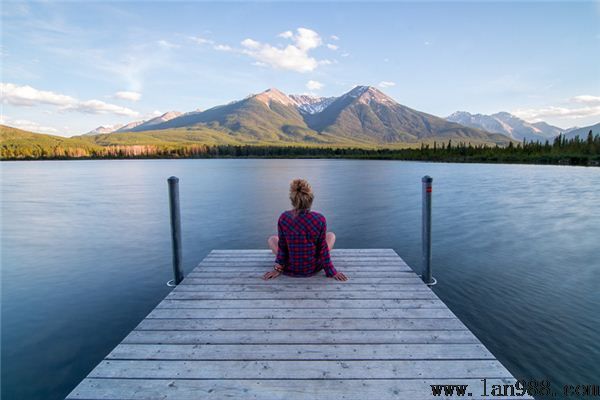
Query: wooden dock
(226, 333)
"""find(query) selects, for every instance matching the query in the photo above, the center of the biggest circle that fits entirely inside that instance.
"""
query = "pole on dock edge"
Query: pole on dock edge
(175, 231)
(426, 231)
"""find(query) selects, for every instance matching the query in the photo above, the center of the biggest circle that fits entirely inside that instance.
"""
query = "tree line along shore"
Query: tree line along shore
(561, 150)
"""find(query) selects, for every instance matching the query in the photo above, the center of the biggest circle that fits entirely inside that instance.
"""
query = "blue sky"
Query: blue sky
(71, 66)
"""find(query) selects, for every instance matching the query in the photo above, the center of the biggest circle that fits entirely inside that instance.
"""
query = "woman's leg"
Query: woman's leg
(330, 239)
(273, 244)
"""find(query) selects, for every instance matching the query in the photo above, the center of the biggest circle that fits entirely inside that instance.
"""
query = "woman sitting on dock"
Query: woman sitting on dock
(303, 243)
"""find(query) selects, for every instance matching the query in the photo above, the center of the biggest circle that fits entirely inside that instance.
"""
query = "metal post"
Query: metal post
(426, 233)
(175, 230)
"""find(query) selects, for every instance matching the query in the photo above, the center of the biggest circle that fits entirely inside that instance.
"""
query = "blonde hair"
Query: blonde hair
(301, 195)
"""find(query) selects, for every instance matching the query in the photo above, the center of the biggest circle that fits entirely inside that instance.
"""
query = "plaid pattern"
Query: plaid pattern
(303, 250)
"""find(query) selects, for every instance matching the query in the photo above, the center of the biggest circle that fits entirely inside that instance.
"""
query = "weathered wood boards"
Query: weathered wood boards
(225, 333)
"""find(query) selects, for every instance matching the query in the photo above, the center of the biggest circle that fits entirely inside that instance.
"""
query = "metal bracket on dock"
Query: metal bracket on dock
(432, 283)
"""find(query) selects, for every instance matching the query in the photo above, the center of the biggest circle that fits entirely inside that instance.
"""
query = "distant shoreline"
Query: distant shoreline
(21, 146)
(565, 161)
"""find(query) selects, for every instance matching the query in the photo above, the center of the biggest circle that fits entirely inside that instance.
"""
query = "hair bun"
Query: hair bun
(301, 186)
(301, 194)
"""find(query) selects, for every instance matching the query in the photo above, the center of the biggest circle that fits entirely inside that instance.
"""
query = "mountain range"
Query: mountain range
(507, 124)
(583, 132)
(364, 116)
(136, 126)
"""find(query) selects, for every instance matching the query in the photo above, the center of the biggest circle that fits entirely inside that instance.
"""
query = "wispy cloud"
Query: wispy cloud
(100, 107)
(223, 47)
(572, 109)
(27, 125)
(293, 57)
(201, 40)
(386, 84)
(586, 99)
(165, 44)
(129, 66)
(539, 114)
(332, 46)
(27, 96)
(131, 96)
(314, 85)
(334, 37)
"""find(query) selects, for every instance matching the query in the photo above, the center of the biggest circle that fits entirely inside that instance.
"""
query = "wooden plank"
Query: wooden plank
(333, 252)
(335, 258)
(240, 352)
(316, 280)
(300, 287)
(370, 266)
(362, 266)
(224, 332)
(326, 313)
(297, 303)
(354, 271)
(300, 369)
(424, 294)
(302, 324)
(275, 389)
(336, 261)
(223, 274)
(305, 337)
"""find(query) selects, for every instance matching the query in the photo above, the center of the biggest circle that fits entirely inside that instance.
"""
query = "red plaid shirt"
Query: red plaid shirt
(303, 250)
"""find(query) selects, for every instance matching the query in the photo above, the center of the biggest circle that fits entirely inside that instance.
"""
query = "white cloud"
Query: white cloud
(286, 34)
(587, 99)
(345, 54)
(386, 84)
(201, 40)
(294, 57)
(332, 46)
(131, 96)
(100, 107)
(582, 106)
(28, 96)
(167, 45)
(539, 114)
(426, 43)
(27, 125)
(333, 37)
(250, 44)
(314, 85)
(307, 39)
(222, 47)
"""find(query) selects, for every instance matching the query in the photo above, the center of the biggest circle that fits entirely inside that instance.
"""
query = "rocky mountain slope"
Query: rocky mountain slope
(507, 124)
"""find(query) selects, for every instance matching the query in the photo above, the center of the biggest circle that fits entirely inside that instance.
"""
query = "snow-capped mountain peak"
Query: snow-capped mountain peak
(308, 104)
(129, 126)
(506, 124)
(163, 118)
(368, 94)
(103, 129)
(276, 95)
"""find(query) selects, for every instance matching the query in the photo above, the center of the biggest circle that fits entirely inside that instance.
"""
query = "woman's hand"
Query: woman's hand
(340, 276)
(271, 275)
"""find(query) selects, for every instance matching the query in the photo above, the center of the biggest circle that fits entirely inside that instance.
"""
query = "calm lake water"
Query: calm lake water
(86, 251)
